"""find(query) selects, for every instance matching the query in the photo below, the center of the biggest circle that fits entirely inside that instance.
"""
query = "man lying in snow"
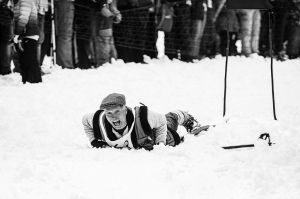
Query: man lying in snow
(116, 125)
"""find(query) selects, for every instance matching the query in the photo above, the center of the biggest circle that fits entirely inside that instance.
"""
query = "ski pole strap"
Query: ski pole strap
(175, 135)
(96, 127)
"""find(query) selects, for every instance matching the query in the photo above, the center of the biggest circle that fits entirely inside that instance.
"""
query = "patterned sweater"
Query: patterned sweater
(26, 23)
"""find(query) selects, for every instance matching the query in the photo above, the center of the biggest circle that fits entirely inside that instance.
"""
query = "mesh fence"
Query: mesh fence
(138, 31)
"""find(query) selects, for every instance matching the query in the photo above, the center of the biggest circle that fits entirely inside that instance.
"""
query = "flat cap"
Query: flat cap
(113, 100)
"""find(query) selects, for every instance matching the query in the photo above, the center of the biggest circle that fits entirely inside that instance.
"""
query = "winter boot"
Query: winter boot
(192, 126)
(189, 122)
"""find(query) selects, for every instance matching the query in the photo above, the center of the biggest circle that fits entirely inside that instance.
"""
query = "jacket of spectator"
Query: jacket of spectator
(105, 47)
(109, 15)
(221, 20)
(26, 18)
(9, 4)
(43, 6)
(26, 25)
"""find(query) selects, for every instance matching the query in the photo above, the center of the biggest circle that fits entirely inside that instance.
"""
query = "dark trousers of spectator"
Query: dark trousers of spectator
(84, 26)
(209, 44)
(197, 31)
(279, 28)
(46, 45)
(281, 15)
(178, 40)
(131, 34)
(293, 47)
(232, 41)
(41, 49)
(106, 49)
(151, 37)
(30, 69)
(83, 54)
(6, 35)
(64, 29)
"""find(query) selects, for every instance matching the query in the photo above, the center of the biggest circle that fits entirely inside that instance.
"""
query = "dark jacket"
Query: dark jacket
(231, 16)
(6, 11)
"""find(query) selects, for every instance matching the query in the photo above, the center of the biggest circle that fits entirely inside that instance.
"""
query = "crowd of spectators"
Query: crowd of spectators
(89, 33)
(206, 22)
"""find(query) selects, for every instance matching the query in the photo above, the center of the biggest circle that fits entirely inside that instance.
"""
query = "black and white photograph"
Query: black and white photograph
(149, 99)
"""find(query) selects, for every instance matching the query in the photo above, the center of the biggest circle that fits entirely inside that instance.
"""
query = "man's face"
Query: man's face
(117, 116)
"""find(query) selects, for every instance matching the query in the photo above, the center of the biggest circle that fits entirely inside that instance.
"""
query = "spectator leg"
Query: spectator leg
(64, 22)
(5, 57)
(113, 52)
(246, 26)
(103, 48)
(197, 32)
(293, 47)
(28, 62)
(6, 35)
(255, 31)
(41, 25)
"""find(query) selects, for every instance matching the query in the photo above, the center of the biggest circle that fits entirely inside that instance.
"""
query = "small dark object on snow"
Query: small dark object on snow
(238, 146)
(265, 136)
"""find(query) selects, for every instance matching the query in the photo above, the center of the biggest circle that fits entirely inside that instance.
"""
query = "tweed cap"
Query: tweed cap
(113, 100)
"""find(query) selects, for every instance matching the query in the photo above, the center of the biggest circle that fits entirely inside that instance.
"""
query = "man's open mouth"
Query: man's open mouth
(116, 123)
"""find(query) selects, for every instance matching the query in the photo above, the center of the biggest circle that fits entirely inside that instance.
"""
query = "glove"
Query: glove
(16, 39)
(117, 18)
(148, 144)
(18, 43)
(98, 144)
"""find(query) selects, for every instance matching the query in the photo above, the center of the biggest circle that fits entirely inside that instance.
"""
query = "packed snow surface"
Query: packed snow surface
(45, 154)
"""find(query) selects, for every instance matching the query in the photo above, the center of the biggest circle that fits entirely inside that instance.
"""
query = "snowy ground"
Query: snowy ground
(44, 152)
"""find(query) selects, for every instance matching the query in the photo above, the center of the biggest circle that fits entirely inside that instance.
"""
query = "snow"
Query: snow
(44, 152)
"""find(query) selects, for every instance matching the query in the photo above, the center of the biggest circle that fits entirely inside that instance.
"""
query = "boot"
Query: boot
(192, 126)
(189, 122)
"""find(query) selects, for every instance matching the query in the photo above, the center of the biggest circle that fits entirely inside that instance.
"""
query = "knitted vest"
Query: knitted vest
(141, 133)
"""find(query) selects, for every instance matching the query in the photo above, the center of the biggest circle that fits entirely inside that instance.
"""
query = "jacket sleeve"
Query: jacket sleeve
(87, 122)
(116, 13)
(158, 123)
(105, 11)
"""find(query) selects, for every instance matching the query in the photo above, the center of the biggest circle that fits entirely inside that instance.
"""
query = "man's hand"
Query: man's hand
(148, 144)
(98, 144)
(18, 43)
(117, 18)
(16, 39)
